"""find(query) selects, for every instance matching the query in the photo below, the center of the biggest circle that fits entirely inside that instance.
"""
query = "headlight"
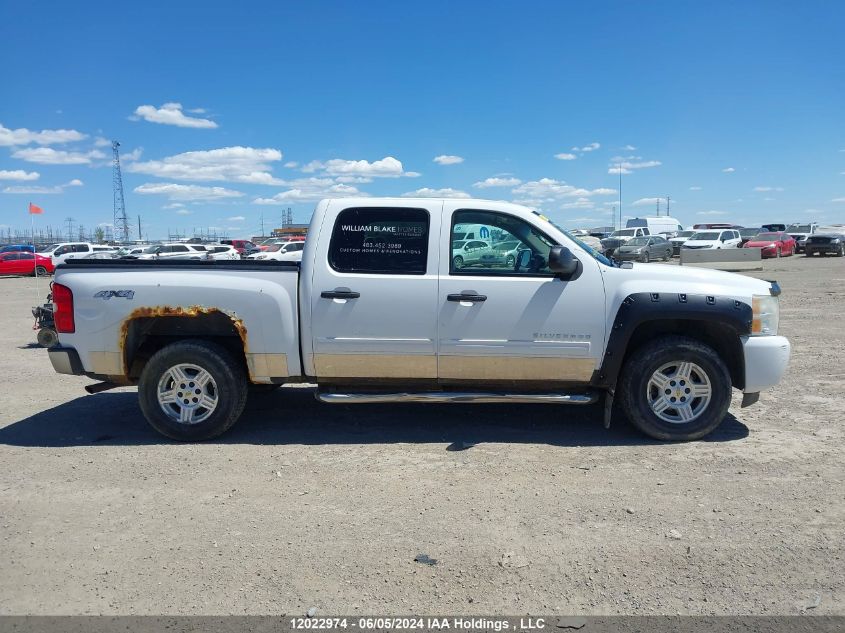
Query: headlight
(765, 315)
(835, 240)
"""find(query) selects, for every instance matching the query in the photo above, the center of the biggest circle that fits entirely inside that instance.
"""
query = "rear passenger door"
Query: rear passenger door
(374, 293)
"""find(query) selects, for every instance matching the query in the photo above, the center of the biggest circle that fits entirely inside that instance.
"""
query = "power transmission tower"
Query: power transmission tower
(121, 222)
(69, 222)
(287, 218)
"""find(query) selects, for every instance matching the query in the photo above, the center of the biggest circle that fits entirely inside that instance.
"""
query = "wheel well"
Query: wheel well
(719, 336)
(144, 336)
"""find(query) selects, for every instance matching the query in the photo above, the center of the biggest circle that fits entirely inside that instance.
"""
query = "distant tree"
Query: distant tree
(99, 235)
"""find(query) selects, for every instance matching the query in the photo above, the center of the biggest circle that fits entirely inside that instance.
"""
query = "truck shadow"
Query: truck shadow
(295, 417)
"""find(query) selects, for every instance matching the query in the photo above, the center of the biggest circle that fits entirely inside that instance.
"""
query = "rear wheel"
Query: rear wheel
(667, 255)
(510, 261)
(645, 257)
(675, 388)
(458, 262)
(841, 252)
(192, 390)
(40, 271)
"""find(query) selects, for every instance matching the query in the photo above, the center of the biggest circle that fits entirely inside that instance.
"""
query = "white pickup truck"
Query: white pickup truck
(377, 311)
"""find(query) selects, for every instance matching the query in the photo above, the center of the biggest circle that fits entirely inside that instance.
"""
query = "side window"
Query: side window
(296, 246)
(380, 240)
(80, 248)
(179, 248)
(526, 254)
(64, 250)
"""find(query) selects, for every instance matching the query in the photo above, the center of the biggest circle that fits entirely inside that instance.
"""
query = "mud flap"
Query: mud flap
(608, 407)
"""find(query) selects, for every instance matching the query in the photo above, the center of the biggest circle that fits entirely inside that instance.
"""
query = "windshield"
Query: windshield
(48, 249)
(152, 249)
(798, 228)
(590, 250)
(457, 245)
(638, 241)
(749, 232)
(704, 236)
(624, 233)
(685, 234)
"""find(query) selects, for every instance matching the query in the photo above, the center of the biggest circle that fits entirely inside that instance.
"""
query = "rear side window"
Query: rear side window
(380, 240)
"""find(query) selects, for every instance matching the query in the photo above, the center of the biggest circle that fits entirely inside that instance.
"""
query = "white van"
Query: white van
(656, 225)
(60, 253)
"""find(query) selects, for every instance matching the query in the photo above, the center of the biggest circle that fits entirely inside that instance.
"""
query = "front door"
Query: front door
(374, 293)
(513, 320)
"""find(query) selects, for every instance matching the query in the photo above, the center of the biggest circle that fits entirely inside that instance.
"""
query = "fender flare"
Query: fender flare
(642, 307)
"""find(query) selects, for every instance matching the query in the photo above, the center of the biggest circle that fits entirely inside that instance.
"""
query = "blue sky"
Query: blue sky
(227, 112)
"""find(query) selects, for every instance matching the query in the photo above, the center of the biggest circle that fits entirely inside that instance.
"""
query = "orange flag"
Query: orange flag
(35, 210)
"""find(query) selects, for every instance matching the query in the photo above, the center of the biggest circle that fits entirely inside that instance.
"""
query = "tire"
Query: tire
(227, 387)
(47, 337)
(636, 388)
(777, 253)
(841, 252)
(667, 257)
(40, 271)
(645, 257)
(457, 262)
(510, 261)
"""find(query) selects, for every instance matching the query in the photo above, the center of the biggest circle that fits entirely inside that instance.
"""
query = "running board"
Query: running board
(454, 396)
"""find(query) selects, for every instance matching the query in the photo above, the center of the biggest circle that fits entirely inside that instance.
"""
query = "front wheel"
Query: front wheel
(458, 262)
(192, 390)
(675, 388)
(645, 257)
(510, 261)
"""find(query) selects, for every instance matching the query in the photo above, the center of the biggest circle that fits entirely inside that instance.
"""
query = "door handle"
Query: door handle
(466, 297)
(339, 294)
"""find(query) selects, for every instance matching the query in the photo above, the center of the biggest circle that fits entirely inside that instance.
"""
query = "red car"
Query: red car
(772, 244)
(25, 264)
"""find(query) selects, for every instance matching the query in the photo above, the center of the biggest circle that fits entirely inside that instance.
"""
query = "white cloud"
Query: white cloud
(310, 189)
(246, 165)
(696, 188)
(187, 192)
(387, 167)
(629, 148)
(412, 174)
(50, 156)
(447, 159)
(291, 164)
(548, 189)
(645, 202)
(236, 218)
(76, 182)
(18, 174)
(183, 212)
(838, 200)
(627, 167)
(43, 190)
(587, 148)
(711, 213)
(135, 154)
(426, 192)
(768, 189)
(565, 156)
(497, 182)
(102, 142)
(171, 114)
(580, 203)
(22, 136)
(728, 170)
(173, 205)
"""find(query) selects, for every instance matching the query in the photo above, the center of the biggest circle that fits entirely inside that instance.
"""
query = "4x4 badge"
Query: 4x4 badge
(108, 294)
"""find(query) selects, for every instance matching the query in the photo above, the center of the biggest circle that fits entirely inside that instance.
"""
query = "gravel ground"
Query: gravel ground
(526, 508)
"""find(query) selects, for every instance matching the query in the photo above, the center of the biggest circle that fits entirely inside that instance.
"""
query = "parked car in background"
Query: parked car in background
(778, 244)
(174, 251)
(592, 242)
(827, 240)
(66, 250)
(774, 228)
(726, 238)
(618, 238)
(245, 248)
(645, 249)
(747, 234)
(679, 240)
(472, 252)
(25, 263)
(800, 232)
(508, 250)
(288, 251)
(221, 252)
(132, 251)
(655, 225)
(266, 244)
(715, 225)
(17, 248)
(601, 232)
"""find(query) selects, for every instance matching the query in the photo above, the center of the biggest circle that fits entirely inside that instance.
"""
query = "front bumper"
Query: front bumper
(629, 257)
(65, 360)
(821, 248)
(766, 359)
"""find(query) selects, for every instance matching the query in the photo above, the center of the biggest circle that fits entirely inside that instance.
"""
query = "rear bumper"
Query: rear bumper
(766, 359)
(65, 360)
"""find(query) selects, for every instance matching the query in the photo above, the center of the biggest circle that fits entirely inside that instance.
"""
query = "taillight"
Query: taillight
(63, 309)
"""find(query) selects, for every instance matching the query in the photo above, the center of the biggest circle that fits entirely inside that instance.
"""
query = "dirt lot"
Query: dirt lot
(527, 509)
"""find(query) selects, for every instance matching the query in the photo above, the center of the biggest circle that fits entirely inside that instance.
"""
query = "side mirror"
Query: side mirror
(562, 262)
